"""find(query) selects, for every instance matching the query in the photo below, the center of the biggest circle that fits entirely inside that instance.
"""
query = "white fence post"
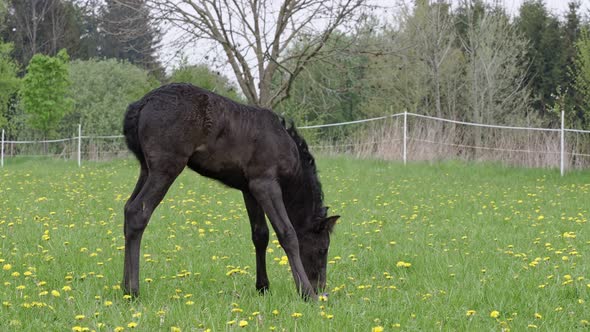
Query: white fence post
(79, 144)
(562, 143)
(405, 135)
(2, 153)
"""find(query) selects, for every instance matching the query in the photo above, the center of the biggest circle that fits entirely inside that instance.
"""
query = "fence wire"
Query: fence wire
(401, 136)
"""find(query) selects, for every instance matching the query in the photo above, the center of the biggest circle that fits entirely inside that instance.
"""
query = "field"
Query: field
(446, 246)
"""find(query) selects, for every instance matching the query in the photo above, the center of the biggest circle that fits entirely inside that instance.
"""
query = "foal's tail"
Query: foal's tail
(130, 125)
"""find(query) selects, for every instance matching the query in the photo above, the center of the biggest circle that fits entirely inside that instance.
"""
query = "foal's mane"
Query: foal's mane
(309, 176)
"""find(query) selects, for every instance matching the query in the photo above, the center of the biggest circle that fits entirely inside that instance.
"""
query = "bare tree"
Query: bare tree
(430, 28)
(258, 37)
(496, 70)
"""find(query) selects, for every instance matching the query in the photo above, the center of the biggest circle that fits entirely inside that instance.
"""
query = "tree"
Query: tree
(9, 82)
(544, 52)
(330, 89)
(99, 103)
(496, 71)
(88, 21)
(45, 90)
(431, 29)
(41, 26)
(581, 75)
(255, 36)
(130, 35)
(202, 76)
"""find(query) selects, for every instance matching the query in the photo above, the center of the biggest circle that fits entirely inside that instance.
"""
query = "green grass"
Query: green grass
(479, 238)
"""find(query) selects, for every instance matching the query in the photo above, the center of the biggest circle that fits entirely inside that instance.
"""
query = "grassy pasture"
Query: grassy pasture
(449, 246)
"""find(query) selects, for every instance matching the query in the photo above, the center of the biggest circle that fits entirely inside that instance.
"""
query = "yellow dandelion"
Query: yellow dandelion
(471, 313)
(377, 329)
(276, 312)
(296, 315)
(538, 315)
(403, 264)
(79, 317)
(243, 323)
(6, 267)
(132, 325)
(119, 329)
(495, 314)
(175, 329)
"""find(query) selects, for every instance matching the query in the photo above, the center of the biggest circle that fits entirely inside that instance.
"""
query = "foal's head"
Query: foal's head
(313, 224)
(313, 249)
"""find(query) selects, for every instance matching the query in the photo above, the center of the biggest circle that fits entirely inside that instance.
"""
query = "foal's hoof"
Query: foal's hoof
(262, 289)
(130, 294)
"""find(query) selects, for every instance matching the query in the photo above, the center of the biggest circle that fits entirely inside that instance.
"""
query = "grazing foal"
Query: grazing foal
(244, 147)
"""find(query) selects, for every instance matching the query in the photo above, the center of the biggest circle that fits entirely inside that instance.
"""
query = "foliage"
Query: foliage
(9, 82)
(101, 91)
(581, 75)
(45, 92)
(329, 89)
(425, 247)
(202, 76)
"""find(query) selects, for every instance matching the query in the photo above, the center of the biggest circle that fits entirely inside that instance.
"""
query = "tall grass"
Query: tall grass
(429, 140)
(446, 246)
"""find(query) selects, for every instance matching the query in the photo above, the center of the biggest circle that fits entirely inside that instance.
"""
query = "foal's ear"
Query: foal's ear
(328, 223)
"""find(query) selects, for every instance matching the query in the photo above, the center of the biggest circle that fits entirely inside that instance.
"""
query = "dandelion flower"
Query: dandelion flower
(377, 329)
(495, 314)
(79, 317)
(132, 325)
(471, 313)
(296, 315)
(6, 267)
(243, 323)
(403, 264)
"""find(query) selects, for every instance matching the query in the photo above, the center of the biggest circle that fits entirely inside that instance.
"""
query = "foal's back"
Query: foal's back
(214, 136)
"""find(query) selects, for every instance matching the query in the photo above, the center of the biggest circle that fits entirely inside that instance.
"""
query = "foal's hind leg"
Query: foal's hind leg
(143, 173)
(260, 239)
(137, 216)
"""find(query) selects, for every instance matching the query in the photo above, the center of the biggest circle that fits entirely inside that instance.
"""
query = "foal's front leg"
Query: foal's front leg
(260, 239)
(268, 194)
